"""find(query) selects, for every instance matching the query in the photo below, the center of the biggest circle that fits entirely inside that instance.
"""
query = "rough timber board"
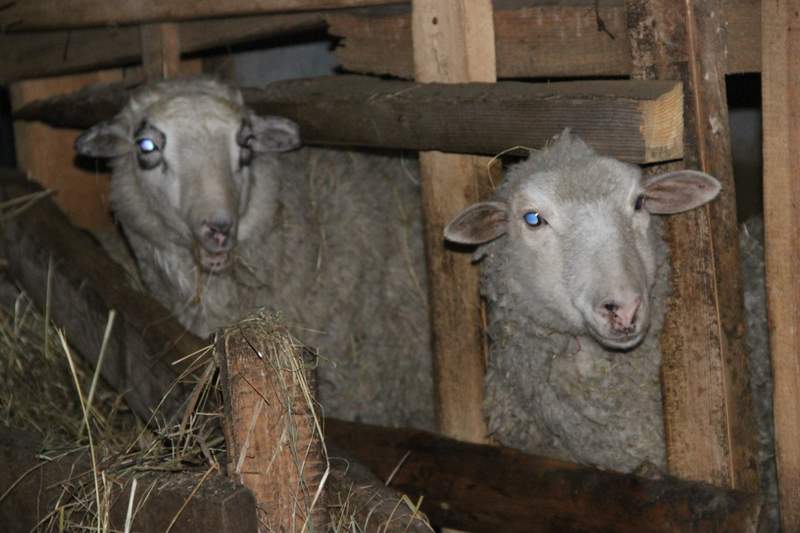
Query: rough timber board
(65, 14)
(781, 107)
(639, 122)
(709, 425)
(547, 40)
(37, 54)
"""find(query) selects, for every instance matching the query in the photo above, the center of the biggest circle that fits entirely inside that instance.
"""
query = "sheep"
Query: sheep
(575, 274)
(223, 216)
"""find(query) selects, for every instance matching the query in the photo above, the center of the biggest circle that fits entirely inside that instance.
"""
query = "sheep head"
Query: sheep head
(188, 149)
(579, 246)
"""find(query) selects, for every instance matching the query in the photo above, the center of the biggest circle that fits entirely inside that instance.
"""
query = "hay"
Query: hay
(47, 390)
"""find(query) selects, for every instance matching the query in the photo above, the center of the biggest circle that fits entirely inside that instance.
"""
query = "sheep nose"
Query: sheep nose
(622, 315)
(216, 233)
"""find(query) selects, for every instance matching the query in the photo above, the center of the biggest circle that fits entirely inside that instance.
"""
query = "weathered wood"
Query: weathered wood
(485, 488)
(161, 50)
(635, 121)
(272, 434)
(710, 429)
(43, 14)
(780, 81)
(83, 193)
(453, 42)
(218, 505)
(37, 54)
(87, 284)
(354, 493)
(547, 40)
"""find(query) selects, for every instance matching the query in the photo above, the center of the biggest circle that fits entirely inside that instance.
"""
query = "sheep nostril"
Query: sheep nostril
(611, 307)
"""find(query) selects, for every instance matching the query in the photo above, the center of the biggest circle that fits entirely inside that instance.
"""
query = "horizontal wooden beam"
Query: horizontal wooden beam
(70, 14)
(485, 488)
(640, 122)
(573, 39)
(86, 285)
(218, 504)
(37, 54)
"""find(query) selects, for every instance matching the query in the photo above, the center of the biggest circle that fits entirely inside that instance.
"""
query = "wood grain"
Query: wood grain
(63, 14)
(635, 121)
(781, 106)
(489, 489)
(36, 54)
(453, 42)
(535, 41)
(161, 50)
(710, 429)
(271, 433)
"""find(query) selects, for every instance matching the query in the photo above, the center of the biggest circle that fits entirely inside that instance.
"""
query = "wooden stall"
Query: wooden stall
(658, 67)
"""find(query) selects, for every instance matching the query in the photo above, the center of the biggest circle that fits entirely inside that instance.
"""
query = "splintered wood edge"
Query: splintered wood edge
(247, 373)
(662, 126)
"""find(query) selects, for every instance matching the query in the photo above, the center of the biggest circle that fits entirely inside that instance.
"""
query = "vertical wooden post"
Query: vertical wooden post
(780, 79)
(271, 432)
(161, 50)
(454, 42)
(710, 429)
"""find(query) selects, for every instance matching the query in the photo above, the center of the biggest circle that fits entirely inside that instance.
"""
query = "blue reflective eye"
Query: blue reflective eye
(146, 145)
(532, 218)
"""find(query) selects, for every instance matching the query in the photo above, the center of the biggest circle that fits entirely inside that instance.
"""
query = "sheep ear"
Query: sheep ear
(477, 224)
(274, 134)
(679, 191)
(106, 139)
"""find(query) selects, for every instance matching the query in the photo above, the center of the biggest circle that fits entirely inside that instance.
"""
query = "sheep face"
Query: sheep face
(190, 154)
(580, 249)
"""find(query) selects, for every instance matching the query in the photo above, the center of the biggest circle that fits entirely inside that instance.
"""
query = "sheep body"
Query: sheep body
(325, 237)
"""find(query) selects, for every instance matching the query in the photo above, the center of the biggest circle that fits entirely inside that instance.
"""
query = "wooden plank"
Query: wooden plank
(710, 429)
(37, 54)
(217, 505)
(781, 105)
(41, 15)
(83, 193)
(533, 41)
(454, 43)
(161, 50)
(488, 489)
(87, 284)
(271, 430)
(635, 121)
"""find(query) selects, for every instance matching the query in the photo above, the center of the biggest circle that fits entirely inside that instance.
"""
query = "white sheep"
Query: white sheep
(220, 223)
(575, 273)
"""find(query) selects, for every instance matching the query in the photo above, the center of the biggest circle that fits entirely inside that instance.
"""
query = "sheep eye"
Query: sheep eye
(146, 145)
(639, 203)
(533, 219)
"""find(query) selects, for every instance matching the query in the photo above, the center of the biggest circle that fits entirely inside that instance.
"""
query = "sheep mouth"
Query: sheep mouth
(213, 262)
(619, 341)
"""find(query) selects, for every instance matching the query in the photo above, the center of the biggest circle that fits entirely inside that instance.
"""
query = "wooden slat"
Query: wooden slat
(635, 121)
(37, 54)
(710, 429)
(161, 50)
(491, 489)
(546, 40)
(271, 434)
(454, 43)
(781, 107)
(45, 14)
